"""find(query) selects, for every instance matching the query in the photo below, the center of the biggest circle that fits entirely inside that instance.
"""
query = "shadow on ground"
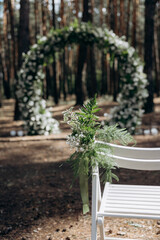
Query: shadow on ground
(35, 185)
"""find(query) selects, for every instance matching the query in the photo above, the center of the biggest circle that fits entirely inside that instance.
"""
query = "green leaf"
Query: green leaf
(114, 133)
(96, 110)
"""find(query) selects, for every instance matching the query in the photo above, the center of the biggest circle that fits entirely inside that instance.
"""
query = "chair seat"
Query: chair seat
(130, 201)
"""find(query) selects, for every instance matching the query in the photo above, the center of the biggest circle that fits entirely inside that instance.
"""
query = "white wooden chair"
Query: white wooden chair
(128, 201)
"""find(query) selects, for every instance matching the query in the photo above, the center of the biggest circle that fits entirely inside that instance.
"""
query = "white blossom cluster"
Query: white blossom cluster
(29, 90)
(75, 140)
(38, 119)
(133, 92)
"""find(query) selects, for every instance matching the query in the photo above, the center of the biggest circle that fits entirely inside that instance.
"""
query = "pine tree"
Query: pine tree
(55, 88)
(148, 50)
(23, 41)
(7, 64)
(23, 31)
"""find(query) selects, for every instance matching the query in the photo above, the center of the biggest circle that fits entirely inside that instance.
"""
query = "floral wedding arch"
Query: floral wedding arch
(133, 82)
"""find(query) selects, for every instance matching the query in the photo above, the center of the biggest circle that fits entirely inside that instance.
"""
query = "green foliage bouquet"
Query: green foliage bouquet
(85, 130)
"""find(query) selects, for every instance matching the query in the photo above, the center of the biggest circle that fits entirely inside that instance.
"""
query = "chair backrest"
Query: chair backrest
(135, 157)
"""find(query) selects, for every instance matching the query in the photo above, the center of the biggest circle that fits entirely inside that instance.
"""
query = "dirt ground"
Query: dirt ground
(36, 198)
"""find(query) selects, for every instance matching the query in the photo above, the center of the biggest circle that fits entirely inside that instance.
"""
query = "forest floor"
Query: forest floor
(36, 201)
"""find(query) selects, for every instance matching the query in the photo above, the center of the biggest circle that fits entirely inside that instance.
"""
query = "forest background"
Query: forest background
(22, 22)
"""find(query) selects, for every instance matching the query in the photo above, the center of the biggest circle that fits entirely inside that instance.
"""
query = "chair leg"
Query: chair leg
(94, 230)
(100, 222)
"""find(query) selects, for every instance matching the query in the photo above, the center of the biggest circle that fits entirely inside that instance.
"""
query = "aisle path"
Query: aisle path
(7, 124)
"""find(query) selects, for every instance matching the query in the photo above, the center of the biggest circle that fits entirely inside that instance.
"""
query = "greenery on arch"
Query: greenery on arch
(133, 91)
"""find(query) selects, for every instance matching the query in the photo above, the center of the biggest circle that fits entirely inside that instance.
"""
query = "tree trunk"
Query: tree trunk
(140, 39)
(81, 56)
(122, 19)
(64, 75)
(62, 13)
(1, 91)
(10, 7)
(87, 16)
(156, 57)
(103, 89)
(104, 86)
(76, 8)
(86, 11)
(115, 17)
(23, 41)
(48, 82)
(69, 70)
(44, 20)
(54, 90)
(63, 68)
(148, 52)
(23, 32)
(91, 66)
(101, 12)
(47, 79)
(1, 80)
(36, 19)
(128, 19)
(53, 15)
(91, 73)
(115, 80)
(135, 5)
(108, 13)
(6, 52)
(1, 69)
(108, 74)
(91, 15)
(48, 16)
(112, 23)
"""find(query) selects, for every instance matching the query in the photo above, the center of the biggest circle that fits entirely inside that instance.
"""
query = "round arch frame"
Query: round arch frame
(38, 119)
